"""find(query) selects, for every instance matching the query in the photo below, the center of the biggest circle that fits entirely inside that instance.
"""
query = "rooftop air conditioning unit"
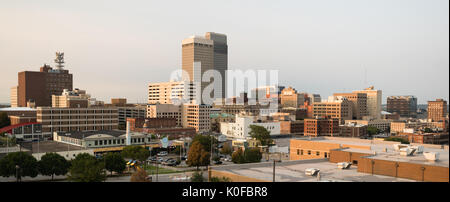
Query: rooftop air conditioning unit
(419, 149)
(407, 151)
(344, 165)
(397, 147)
(431, 156)
(311, 171)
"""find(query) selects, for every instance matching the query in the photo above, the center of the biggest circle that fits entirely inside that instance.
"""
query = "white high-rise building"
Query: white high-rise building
(373, 101)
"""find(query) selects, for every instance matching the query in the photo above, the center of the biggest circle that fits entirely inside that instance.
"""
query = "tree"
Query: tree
(197, 156)
(52, 164)
(28, 165)
(397, 139)
(238, 156)
(205, 140)
(114, 162)
(220, 179)
(227, 149)
(139, 176)
(372, 130)
(86, 168)
(135, 152)
(252, 155)
(4, 120)
(197, 177)
(260, 133)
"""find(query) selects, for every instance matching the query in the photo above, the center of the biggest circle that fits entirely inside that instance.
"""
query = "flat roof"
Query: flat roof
(294, 171)
(379, 147)
(17, 109)
(50, 146)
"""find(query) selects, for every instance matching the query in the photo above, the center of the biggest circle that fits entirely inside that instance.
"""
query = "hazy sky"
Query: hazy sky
(115, 48)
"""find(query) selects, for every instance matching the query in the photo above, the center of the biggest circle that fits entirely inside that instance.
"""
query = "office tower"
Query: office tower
(359, 103)
(40, 86)
(220, 58)
(405, 106)
(14, 101)
(197, 116)
(171, 92)
(373, 101)
(437, 110)
(339, 108)
(197, 58)
(291, 98)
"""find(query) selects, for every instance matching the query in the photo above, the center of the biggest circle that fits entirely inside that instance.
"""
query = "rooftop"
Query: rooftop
(17, 109)
(102, 134)
(294, 171)
(379, 147)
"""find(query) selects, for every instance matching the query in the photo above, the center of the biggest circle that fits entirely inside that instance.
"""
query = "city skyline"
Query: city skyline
(102, 49)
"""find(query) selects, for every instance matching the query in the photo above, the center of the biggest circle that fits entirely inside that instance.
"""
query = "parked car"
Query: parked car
(172, 162)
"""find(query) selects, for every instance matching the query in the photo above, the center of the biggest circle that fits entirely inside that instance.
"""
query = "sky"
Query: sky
(115, 48)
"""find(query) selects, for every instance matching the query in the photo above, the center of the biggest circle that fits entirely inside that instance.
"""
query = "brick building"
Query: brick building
(359, 103)
(40, 86)
(321, 127)
(437, 110)
(405, 106)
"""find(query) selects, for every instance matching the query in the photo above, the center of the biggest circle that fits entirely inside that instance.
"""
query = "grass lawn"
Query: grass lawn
(152, 170)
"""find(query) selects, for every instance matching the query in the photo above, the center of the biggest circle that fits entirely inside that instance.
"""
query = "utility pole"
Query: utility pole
(274, 170)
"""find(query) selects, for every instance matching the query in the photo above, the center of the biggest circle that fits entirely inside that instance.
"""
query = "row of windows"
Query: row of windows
(309, 152)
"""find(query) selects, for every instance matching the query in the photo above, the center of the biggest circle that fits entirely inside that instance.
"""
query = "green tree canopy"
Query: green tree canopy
(52, 164)
(205, 140)
(252, 155)
(397, 139)
(28, 165)
(220, 179)
(197, 155)
(260, 133)
(238, 156)
(114, 162)
(135, 152)
(372, 130)
(4, 120)
(86, 168)
(197, 177)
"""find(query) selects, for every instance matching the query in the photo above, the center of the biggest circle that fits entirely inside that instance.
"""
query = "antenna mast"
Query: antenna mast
(59, 60)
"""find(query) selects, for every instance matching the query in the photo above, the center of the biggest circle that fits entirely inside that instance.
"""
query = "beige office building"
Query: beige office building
(76, 119)
(165, 111)
(373, 101)
(174, 92)
(197, 116)
(359, 103)
(335, 108)
(14, 98)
